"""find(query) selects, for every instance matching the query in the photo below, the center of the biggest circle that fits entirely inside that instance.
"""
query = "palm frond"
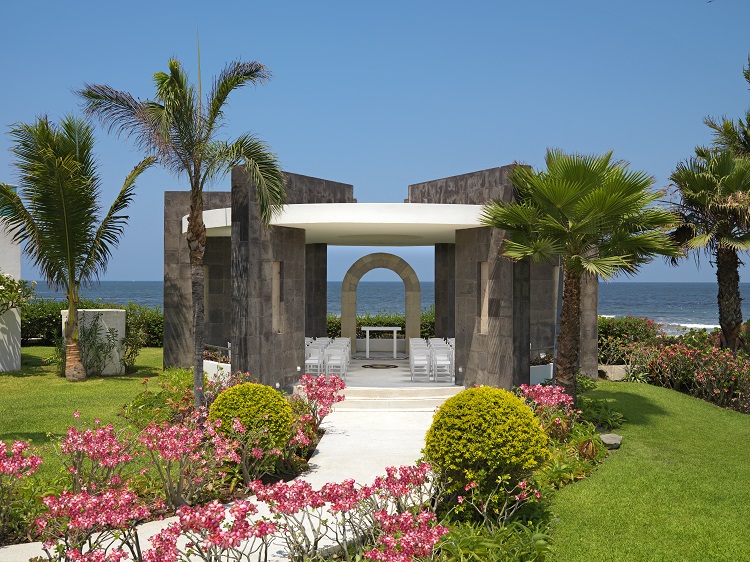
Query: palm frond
(233, 76)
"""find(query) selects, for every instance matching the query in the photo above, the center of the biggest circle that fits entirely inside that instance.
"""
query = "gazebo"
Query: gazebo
(266, 286)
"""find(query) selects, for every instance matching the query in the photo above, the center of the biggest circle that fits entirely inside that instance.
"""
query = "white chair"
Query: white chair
(314, 360)
(442, 364)
(419, 362)
(335, 362)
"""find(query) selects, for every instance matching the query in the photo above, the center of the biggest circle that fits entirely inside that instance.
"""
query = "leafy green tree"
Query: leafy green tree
(712, 198)
(733, 135)
(592, 212)
(56, 212)
(181, 132)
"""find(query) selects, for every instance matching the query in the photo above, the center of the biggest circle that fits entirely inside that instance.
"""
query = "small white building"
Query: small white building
(10, 322)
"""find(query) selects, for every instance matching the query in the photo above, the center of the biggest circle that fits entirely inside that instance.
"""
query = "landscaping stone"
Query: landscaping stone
(611, 440)
(613, 372)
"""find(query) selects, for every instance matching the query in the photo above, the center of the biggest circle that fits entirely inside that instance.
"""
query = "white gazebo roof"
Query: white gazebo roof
(363, 224)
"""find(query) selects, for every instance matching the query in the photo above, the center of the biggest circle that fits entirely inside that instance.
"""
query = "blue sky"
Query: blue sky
(384, 94)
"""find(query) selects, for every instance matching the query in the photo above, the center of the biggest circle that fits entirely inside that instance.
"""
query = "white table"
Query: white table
(367, 329)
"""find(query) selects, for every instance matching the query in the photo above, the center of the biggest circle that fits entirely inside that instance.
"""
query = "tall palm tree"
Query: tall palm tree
(712, 198)
(181, 132)
(731, 135)
(56, 212)
(593, 213)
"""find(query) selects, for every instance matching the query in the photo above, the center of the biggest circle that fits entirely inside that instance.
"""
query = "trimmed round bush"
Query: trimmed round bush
(256, 406)
(485, 435)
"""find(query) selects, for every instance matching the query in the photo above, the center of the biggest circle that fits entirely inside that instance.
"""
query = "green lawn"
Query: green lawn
(678, 489)
(35, 401)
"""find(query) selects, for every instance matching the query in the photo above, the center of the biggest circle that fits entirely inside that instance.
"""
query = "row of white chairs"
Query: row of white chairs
(327, 356)
(432, 360)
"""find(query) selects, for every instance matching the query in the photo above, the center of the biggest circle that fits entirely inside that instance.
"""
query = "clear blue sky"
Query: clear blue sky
(384, 94)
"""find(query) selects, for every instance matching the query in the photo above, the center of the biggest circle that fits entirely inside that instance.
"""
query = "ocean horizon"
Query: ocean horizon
(675, 305)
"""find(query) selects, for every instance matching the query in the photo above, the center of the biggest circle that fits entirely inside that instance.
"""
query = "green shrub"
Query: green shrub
(40, 318)
(518, 542)
(426, 327)
(171, 403)
(488, 436)
(616, 335)
(256, 406)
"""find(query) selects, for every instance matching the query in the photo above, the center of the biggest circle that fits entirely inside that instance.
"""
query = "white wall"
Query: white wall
(110, 318)
(10, 322)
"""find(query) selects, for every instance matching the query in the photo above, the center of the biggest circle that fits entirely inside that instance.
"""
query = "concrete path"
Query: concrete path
(357, 444)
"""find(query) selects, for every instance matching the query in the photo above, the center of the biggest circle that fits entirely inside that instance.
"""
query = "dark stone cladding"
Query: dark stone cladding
(271, 352)
(178, 302)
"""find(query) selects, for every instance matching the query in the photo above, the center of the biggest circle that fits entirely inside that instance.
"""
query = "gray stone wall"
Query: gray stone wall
(218, 291)
(543, 304)
(316, 290)
(445, 290)
(178, 302)
(475, 188)
(588, 357)
(494, 352)
(268, 330)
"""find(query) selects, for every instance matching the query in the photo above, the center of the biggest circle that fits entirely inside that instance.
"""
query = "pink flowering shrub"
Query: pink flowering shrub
(213, 533)
(187, 456)
(552, 407)
(345, 514)
(94, 457)
(546, 395)
(256, 454)
(496, 508)
(406, 536)
(15, 464)
(92, 526)
(709, 373)
(222, 381)
(321, 393)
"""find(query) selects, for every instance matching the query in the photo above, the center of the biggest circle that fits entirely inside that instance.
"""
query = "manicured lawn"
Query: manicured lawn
(678, 489)
(36, 401)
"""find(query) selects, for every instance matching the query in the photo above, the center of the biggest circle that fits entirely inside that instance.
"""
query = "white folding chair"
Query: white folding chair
(419, 363)
(442, 364)
(314, 360)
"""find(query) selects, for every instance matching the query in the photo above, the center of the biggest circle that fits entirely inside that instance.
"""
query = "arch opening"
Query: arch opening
(349, 292)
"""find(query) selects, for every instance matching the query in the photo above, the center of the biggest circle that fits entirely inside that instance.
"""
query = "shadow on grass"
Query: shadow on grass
(637, 409)
(37, 438)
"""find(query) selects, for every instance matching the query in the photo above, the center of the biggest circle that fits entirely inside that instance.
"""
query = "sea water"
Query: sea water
(675, 305)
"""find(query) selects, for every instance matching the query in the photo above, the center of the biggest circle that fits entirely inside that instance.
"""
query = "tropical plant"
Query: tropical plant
(56, 212)
(592, 212)
(181, 131)
(731, 135)
(712, 197)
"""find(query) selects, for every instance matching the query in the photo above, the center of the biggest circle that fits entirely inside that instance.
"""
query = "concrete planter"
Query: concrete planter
(109, 318)
(540, 373)
(613, 372)
(10, 341)
(213, 368)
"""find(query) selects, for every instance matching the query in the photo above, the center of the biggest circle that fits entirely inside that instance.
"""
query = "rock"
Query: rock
(611, 440)
(613, 372)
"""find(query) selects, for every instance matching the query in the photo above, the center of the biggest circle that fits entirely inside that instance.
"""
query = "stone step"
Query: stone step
(404, 399)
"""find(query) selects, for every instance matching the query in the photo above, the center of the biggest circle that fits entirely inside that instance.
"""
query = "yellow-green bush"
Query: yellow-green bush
(256, 406)
(485, 435)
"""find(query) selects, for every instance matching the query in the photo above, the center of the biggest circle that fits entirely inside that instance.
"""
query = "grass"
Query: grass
(36, 401)
(677, 489)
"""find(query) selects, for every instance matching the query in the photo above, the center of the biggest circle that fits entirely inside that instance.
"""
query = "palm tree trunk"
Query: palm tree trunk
(568, 338)
(730, 303)
(196, 238)
(74, 369)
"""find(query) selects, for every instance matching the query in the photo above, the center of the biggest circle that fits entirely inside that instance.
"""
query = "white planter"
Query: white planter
(10, 341)
(109, 318)
(211, 369)
(540, 373)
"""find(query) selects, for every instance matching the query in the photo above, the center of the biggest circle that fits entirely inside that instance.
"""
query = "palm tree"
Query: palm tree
(56, 212)
(713, 200)
(731, 135)
(181, 132)
(595, 215)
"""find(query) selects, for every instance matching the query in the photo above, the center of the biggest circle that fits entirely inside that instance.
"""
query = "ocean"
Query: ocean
(675, 305)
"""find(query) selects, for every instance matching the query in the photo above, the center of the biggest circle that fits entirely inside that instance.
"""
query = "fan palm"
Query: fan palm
(181, 132)
(595, 215)
(55, 213)
(731, 135)
(712, 197)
